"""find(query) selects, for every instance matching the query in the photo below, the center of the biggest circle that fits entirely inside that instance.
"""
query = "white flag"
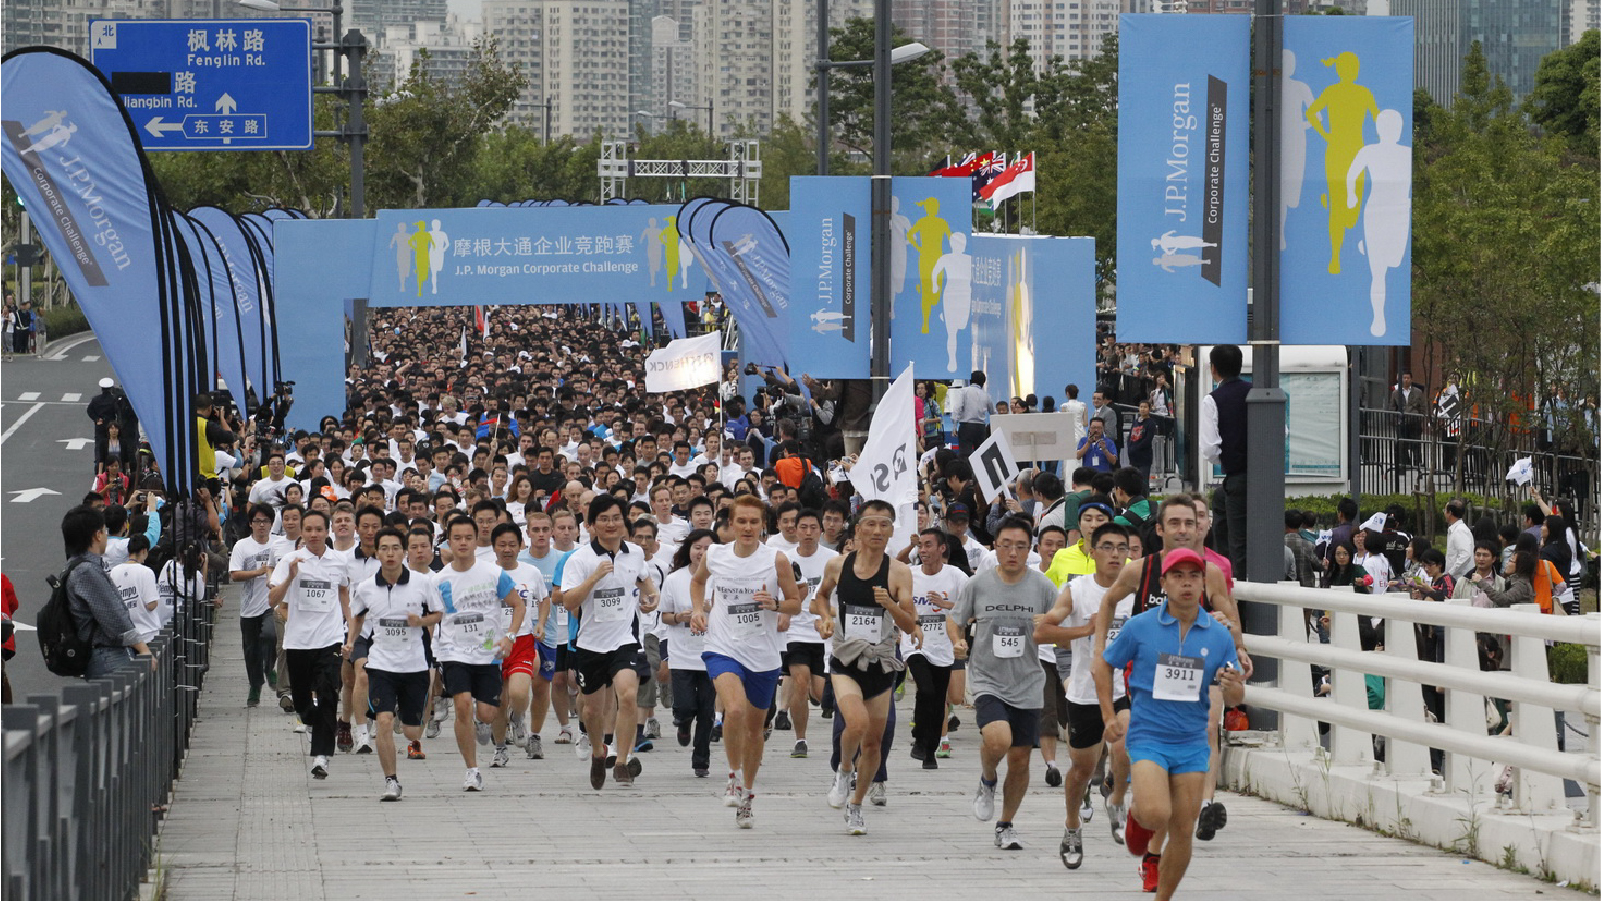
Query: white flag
(685, 363)
(886, 469)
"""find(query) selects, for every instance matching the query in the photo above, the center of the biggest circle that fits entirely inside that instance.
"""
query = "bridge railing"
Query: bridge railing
(1531, 769)
(88, 772)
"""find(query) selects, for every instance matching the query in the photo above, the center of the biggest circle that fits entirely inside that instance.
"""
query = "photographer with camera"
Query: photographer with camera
(809, 412)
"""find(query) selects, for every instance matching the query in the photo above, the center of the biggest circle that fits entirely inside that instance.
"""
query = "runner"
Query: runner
(1073, 620)
(931, 653)
(392, 608)
(694, 696)
(804, 648)
(363, 563)
(875, 599)
(1007, 604)
(742, 644)
(551, 622)
(309, 590)
(471, 641)
(517, 670)
(606, 584)
(282, 546)
(1173, 651)
(250, 562)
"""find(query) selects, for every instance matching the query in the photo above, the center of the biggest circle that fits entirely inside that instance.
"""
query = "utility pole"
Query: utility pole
(823, 137)
(881, 196)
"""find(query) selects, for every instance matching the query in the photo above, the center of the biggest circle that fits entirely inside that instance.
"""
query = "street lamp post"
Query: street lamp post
(881, 197)
(352, 89)
(710, 108)
(901, 54)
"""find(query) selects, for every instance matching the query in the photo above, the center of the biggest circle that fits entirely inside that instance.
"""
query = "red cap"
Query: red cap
(1180, 557)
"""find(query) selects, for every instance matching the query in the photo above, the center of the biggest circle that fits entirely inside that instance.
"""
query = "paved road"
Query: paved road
(248, 823)
(42, 407)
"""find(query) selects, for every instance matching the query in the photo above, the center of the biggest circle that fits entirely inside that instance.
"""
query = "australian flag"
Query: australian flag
(989, 166)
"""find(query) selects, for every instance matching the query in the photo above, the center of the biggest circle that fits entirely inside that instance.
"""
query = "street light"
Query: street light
(902, 54)
(711, 116)
(338, 11)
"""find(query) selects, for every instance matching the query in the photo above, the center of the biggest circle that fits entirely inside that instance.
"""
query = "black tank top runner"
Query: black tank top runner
(1150, 591)
(854, 591)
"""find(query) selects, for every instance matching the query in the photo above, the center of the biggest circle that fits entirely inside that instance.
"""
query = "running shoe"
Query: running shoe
(944, 751)
(984, 801)
(734, 793)
(363, 739)
(519, 732)
(535, 746)
(635, 767)
(623, 774)
(1213, 817)
(1072, 849)
(611, 756)
(744, 818)
(644, 744)
(597, 773)
(391, 789)
(917, 752)
(839, 790)
(343, 740)
(683, 735)
(800, 749)
(432, 730)
(484, 733)
(254, 699)
(854, 824)
(1150, 872)
(702, 772)
(286, 703)
(876, 794)
(474, 782)
(582, 747)
(1116, 816)
(1053, 776)
(1086, 808)
(319, 767)
(565, 736)
(952, 724)
(502, 757)
(930, 763)
(653, 728)
(1006, 838)
(414, 751)
(717, 731)
(781, 722)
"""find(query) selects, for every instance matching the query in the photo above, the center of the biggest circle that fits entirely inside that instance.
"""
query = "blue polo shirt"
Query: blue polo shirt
(1142, 639)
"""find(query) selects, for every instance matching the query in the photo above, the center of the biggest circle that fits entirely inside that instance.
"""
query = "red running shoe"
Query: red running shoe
(1150, 871)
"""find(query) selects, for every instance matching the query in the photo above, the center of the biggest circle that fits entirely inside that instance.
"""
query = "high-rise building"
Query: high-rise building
(1583, 15)
(1070, 29)
(733, 50)
(1515, 35)
(516, 26)
(574, 54)
(65, 23)
(661, 64)
(795, 50)
(376, 17)
(443, 50)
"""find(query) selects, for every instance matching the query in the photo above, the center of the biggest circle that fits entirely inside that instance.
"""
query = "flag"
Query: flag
(685, 363)
(464, 345)
(990, 165)
(481, 322)
(965, 167)
(886, 469)
(1017, 179)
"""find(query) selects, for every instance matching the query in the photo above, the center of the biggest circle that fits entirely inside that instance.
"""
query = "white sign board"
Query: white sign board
(1039, 437)
(684, 364)
(994, 466)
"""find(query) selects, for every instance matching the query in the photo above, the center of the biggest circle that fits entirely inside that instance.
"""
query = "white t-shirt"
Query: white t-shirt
(473, 622)
(1086, 604)
(672, 531)
(530, 585)
(315, 618)
(136, 585)
(175, 590)
(684, 471)
(249, 554)
(608, 617)
(937, 648)
(780, 543)
(803, 625)
(736, 625)
(684, 646)
(396, 646)
(651, 623)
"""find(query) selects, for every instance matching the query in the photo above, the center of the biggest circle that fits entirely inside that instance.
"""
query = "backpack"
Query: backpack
(811, 493)
(65, 653)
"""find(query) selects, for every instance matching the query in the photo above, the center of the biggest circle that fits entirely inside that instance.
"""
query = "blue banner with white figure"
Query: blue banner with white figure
(248, 279)
(1032, 317)
(70, 152)
(829, 317)
(930, 268)
(220, 307)
(748, 257)
(1345, 186)
(1183, 167)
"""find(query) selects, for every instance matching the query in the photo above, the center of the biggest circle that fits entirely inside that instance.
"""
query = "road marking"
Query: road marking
(29, 495)
(74, 444)
(71, 397)
(92, 358)
(20, 420)
(27, 396)
(60, 353)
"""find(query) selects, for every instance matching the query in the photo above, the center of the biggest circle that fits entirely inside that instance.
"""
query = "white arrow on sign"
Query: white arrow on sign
(75, 443)
(155, 126)
(226, 104)
(29, 495)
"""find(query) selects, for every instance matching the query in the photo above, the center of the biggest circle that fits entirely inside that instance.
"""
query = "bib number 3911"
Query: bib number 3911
(1178, 678)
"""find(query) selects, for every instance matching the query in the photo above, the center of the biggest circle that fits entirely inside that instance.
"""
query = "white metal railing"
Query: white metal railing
(1531, 748)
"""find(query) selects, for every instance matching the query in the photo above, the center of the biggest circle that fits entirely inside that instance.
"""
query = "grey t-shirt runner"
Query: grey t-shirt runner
(1003, 661)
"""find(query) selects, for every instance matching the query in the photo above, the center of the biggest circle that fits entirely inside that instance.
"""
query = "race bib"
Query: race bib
(865, 619)
(1178, 678)
(1007, 641)
(393, 634)
(609, 605)
(316, 596)
(1116, 627)
(471, 630)
(932, 623)
(747, 617)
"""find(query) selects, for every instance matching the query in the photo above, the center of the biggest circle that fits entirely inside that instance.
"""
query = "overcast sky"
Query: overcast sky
(467, 9)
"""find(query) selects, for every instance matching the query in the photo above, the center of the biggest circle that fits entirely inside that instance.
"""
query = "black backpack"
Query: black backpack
(65, 654)
(812, 494)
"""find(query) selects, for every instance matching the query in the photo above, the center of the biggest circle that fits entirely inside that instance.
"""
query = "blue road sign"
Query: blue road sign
(210, 84)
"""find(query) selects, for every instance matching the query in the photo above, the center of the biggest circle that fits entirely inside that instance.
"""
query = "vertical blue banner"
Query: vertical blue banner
(1032, 319)
(1182, 177)
(830, 232)
(931, 276)
(1345, 187)
(313, 285)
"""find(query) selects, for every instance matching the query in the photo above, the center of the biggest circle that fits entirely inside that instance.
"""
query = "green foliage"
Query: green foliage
(1322, 506)
(63, 320)
(924, 107)
(1566, 100)
(1569, 664)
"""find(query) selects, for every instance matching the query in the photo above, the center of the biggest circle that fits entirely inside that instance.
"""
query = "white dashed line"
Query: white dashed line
(28, 396)
(70, 397)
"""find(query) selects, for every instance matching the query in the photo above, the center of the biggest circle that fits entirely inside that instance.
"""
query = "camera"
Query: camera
(752, 369)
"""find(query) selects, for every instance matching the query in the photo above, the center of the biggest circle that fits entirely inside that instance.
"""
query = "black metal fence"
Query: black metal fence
(88, 774)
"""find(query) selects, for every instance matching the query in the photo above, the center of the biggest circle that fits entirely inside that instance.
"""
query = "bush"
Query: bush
(1569, 663)
(67, 319)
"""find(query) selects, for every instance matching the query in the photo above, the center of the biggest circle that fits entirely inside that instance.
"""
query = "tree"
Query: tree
(924, 106)
(1566, 99)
